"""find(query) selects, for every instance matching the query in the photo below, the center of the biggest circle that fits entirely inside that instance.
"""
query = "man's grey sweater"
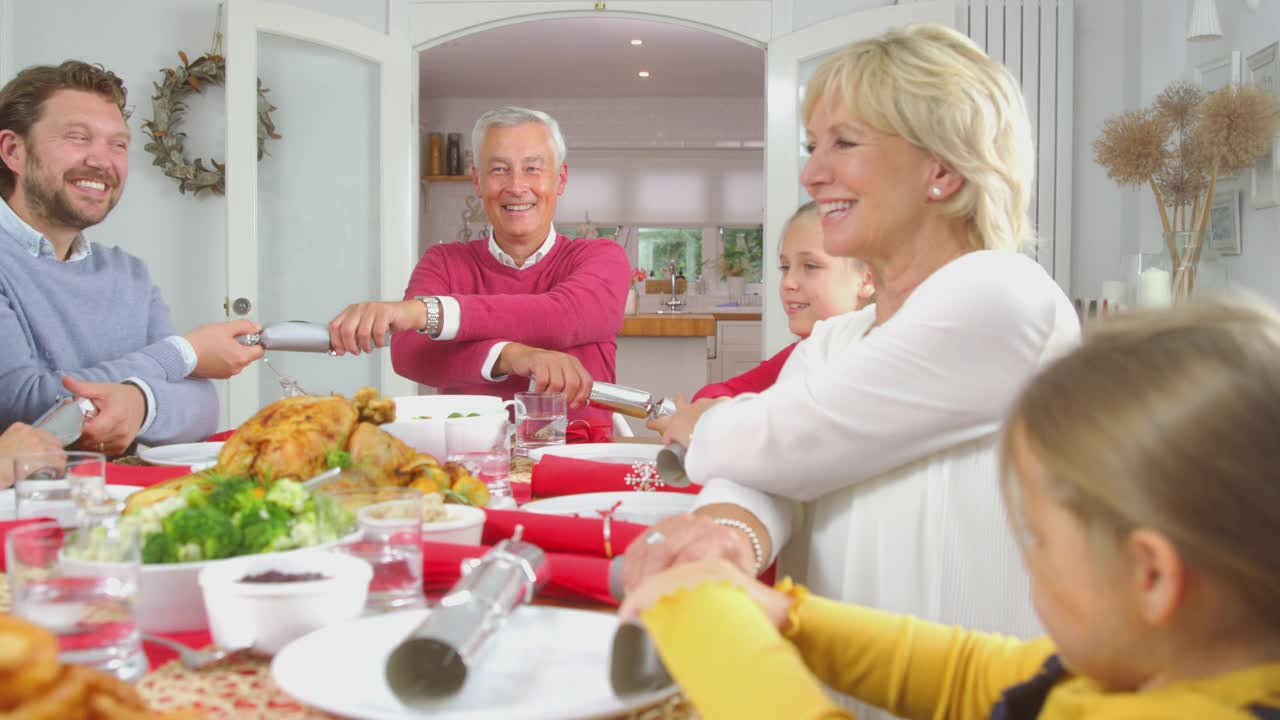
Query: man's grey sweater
(100, 319)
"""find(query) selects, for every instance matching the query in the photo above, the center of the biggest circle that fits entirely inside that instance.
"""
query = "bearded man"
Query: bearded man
(76, 315)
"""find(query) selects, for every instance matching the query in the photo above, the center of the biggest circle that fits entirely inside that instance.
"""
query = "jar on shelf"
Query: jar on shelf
(453, 155)
(435, 154)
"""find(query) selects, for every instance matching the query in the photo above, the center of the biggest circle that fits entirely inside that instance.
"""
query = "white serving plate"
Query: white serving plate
(645, 508)
(62, 511)
(198, 455)
(622, 453)
(544, 663)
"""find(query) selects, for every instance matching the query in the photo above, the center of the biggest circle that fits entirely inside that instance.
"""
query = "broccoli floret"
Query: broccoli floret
(205, 527)
(190, 553)
(263, 527)
(159, 548)
(289, 495)
(331, 518)
(234, 494)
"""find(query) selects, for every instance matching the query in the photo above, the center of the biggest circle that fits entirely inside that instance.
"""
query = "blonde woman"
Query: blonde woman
(1140, 482)
(872, 462)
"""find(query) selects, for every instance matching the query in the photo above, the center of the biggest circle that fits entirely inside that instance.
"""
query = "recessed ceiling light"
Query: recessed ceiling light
(643, 73)
(637, 42)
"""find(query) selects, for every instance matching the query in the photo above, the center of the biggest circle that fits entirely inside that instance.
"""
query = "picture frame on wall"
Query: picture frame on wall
(1264, 178)
(1224, 223)
(1213, 75)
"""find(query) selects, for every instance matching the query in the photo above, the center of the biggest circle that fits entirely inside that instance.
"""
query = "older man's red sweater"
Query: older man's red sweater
(572, 300)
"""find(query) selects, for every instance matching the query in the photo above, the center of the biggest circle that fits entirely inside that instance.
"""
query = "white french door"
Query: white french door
(326, 218)
(792, 59)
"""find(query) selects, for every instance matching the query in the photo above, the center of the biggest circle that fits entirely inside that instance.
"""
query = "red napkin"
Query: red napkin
(571, 577)
(6, 526)
(158, 655)
(143, 475)
(221, 436)
(559, 475)
(521, 492)
(582, 431)
(555, 533)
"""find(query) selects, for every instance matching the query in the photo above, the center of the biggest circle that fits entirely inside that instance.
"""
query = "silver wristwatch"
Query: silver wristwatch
(435, 313)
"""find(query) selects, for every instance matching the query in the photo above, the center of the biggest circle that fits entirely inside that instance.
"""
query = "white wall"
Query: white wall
(630, 160)
(1127, 52)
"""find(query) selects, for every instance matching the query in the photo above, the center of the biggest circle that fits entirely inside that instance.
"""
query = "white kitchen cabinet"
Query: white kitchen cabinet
(737, 349)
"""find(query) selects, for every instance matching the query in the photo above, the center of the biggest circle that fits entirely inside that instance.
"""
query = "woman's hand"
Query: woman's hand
(776, 605)
(20, 439)
(679, 427)
(688, 538)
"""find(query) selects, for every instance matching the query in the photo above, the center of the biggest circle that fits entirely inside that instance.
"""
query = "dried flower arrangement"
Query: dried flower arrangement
(1179, 147)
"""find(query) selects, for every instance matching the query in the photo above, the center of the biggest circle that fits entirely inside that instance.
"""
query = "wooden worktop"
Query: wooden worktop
(731, 316)
(659, 325)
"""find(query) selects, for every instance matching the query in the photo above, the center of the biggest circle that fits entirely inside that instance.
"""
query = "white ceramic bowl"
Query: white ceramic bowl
(420, 419)
(169, 599)
(269, 615)
(465, 526)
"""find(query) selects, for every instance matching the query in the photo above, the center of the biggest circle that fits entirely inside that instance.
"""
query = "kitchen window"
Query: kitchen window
(658, 247)
(743, 248)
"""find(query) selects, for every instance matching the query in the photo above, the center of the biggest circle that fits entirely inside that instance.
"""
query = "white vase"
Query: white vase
(737, 287)
(633, 299)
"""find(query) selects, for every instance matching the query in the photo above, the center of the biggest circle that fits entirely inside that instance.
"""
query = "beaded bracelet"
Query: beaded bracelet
(751, 535)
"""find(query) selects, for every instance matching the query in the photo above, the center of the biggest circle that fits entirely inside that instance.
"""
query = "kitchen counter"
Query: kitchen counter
(672, 326)
(682, 325)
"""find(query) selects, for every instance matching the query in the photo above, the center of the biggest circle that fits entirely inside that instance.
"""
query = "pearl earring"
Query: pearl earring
(935, 191)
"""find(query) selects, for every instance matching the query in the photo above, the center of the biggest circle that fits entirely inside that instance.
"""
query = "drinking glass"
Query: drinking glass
(491, 467)
(481, 447)
(541, 420)
(390, 540)
(61, 485)
(85, 592)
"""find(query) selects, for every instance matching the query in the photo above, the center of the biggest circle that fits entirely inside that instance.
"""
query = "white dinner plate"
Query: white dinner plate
(62, 511)
(198, 455)
(544, 662)
(623, 453)
(645, 508)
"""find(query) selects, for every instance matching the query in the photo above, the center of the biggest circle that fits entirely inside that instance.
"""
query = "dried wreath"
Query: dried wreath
(168, 107)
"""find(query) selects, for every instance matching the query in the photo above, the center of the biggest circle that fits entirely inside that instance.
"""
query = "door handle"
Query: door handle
(241, 306)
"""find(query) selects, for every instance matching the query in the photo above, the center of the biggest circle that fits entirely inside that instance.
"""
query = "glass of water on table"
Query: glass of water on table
(542, 418)
(480, 445)
(82, 584)
(390, 540)
(64, 486)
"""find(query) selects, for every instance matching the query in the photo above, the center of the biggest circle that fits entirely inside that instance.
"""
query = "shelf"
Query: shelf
(446, 178)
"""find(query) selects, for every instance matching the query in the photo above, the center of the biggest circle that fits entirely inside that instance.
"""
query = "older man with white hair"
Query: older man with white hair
(527, 303)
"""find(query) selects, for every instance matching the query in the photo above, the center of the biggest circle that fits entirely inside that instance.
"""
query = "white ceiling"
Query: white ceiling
(591, 57)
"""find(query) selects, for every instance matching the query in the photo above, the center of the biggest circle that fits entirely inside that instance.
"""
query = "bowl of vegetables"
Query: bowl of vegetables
(420, 419)
(210, 521)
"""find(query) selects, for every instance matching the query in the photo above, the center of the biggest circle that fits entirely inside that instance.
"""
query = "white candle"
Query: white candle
(1154, 289)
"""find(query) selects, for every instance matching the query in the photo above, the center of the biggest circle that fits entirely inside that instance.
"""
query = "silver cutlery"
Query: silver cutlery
(194, 659)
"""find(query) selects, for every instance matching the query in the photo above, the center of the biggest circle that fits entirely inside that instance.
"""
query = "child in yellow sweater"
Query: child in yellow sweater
(1140, 475)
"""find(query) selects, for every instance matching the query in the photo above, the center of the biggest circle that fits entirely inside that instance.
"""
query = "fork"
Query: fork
(287, 384)
(194, 659)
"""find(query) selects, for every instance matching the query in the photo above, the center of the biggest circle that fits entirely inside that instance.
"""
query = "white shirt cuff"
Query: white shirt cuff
(188, 352)
(773, 512)
(492, 359)
(452, 318)
(150, 398)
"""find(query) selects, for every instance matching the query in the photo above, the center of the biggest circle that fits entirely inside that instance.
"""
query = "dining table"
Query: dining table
(241, 686)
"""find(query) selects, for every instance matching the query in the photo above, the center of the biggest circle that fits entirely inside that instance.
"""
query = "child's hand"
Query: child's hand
(679, 427)
(776, 605)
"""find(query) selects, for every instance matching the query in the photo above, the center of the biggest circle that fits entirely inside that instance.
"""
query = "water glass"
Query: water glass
(390, 540)
(541, 420)
(87, 598)
(65, 486)
(491, 467)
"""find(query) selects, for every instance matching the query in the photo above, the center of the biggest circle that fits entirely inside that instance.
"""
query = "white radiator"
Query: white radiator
(1035, 39)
